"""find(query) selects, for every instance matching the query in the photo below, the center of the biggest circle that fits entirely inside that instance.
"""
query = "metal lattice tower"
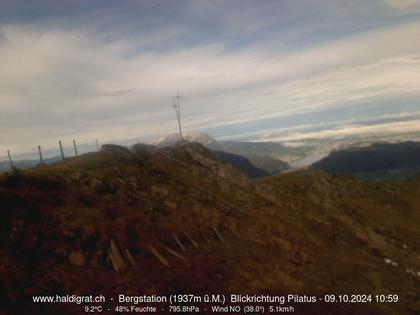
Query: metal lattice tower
(177, 106)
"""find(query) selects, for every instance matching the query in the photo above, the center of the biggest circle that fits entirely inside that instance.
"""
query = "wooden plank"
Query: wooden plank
(159, 257)
(130, 257)
(118, 256)
(205, 237)
(191, 240)
(178, 242)
(171, 251)
(219, 236)
(113, 261)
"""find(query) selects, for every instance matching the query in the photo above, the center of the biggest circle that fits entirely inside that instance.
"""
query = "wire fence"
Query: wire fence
(39, 155)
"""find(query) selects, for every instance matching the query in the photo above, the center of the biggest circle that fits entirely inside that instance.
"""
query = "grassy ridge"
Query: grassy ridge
(301, 232)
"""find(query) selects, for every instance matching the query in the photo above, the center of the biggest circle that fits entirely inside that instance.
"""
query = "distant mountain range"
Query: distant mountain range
(254, 166)
(256, 159)
(266, 156)
(377, 161)
(274, 150)
(193, 136)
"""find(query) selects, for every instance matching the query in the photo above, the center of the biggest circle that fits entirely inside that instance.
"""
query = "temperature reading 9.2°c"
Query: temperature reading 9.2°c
(93, 309)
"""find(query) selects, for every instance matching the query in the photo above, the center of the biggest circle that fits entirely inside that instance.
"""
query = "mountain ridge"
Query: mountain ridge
(376, 161)
(261, 155)
(303, 231)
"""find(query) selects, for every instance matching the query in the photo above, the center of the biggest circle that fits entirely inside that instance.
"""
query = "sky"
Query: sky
(250, 70)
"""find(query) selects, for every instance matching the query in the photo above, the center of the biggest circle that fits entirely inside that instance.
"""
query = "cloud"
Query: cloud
(404, 6)
(338, 127)
(354, 130)
(79, 83)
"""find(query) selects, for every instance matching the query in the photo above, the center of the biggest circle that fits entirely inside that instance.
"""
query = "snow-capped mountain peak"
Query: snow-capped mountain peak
(192, 136)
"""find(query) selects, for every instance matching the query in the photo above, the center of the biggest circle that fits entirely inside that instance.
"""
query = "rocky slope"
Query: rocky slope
(93, 225)
(242, 164)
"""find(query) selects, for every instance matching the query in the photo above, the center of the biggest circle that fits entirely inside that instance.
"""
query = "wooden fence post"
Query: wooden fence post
(10, 160)
(61, 149)
(75, 148)
(40, 155)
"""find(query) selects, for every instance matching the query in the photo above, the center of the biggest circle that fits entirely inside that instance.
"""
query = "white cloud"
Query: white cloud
(405, 6)
(354, 130)
(66, 84)
(330, 129)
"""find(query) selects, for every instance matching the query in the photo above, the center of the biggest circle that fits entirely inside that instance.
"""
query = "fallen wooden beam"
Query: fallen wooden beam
(219, 236)
(117, 257)
(205, 237)
(113, 261)
(159, 257)
(178, 242)
(130, 257)
(171, 251)
(191, 240)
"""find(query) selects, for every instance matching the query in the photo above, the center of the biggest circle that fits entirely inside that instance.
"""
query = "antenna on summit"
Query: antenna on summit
(177, 106)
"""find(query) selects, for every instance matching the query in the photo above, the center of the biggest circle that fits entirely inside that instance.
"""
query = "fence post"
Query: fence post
(75, 148)
(40, 154)
(61, 149)
(10, 160)
(97, 145)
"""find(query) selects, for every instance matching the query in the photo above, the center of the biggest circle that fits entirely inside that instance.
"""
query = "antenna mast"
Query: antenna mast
(177, 106)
